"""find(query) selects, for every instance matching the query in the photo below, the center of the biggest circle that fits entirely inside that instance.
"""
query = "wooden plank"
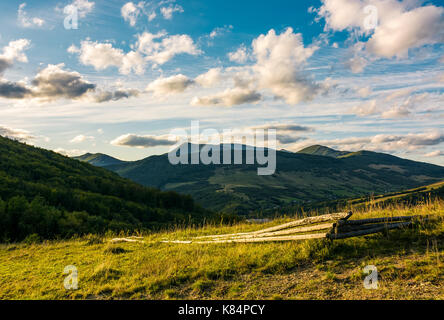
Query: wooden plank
(378, 220)
(368, 231)
(267, 239)
(301, 222)
(349, 228)
(283, 232)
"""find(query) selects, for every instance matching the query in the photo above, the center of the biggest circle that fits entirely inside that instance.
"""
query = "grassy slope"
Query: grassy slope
(410, 263)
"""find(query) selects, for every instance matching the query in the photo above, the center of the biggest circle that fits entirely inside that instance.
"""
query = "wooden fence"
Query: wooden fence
(330, 226)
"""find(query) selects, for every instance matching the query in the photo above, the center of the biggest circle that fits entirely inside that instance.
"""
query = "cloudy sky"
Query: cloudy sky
(348, 74)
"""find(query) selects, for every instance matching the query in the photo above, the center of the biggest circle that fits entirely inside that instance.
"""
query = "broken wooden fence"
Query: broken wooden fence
(330, 226)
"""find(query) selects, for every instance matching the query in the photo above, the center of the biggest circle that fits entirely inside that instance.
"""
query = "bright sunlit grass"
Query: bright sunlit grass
(410, 262)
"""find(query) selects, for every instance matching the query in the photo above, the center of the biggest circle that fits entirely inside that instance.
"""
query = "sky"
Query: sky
(116, 77)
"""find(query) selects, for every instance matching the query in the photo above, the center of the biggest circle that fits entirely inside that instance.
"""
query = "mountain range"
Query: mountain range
(314, 174)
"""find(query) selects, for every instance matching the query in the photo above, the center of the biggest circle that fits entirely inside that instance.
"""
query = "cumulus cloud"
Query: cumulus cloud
(167, 12)
(81, 138)
(13, 90)
(160, 47)
(240, 55)
(401, 26)
(229, 97)
(142, 141)
(130, 12)
(174, 84)
(83, 7)
(155, 48)
(103, 55)
(209, 78)
(51, 83)
(16, 134)
(278, 67)
(28, 22)
(54, 82)
(14, 51)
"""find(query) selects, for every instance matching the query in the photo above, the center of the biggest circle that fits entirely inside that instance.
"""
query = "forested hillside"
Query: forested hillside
(44, 193)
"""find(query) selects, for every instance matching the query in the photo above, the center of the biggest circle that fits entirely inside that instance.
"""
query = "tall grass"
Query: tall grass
(153, 269)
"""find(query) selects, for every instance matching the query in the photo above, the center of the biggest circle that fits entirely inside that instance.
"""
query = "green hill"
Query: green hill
(300, 179)
(99, 159)
(45, 193)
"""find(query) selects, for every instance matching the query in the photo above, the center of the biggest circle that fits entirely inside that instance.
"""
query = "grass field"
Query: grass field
(410, 263)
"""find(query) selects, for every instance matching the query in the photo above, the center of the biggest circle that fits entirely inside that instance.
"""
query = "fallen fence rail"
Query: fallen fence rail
(339, 228)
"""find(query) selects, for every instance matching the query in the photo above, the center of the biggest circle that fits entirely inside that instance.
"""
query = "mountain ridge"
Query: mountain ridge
(300, 178)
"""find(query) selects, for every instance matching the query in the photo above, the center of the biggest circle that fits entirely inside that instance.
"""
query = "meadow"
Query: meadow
(410, 263)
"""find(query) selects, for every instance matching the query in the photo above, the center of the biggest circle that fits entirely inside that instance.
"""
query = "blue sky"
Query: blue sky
(348, 74)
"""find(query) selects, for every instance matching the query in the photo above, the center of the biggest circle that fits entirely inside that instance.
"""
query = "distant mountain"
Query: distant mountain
(99, 159)
(45, 193)
(315, 174)
(318, 150)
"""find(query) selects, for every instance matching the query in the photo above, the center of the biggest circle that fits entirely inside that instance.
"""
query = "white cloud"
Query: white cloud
(278, 68)
(14, 51)
(400, 25)
(130, 12)
(70, 153)
(364, 92)
(26, 21)
(216, 32)
(83, 7)
(386, 142)
(437, 153)
(366, 109)
(164, 50)
(239, 56)
(103, 55)
(142, 141)
(396, 112)
(81, 138)
(54, 82)
(152, 16)
(229, 97)
(174, 84)
(209, 78)
(356, 64)
(399, 94)
(167, 12)
(16, 134)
